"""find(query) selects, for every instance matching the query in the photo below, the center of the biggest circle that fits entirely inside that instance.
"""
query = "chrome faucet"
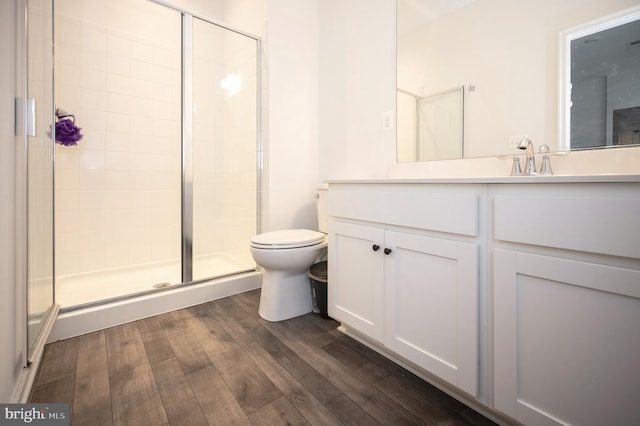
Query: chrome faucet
(530, 168)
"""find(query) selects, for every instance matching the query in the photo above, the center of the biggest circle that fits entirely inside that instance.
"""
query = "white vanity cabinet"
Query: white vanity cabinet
(356, 289)
(566, 303)
(403, 272)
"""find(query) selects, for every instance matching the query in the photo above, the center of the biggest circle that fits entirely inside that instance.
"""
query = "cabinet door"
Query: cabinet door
(431, 306)
(566, 340)
(356, 277)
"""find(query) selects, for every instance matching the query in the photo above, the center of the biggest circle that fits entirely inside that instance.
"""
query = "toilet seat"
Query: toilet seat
(287, 239)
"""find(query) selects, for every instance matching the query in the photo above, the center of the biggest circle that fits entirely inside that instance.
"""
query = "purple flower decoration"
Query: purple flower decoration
(67, 133)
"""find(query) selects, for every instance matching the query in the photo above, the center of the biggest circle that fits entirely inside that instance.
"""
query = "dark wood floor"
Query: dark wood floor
(220, 364)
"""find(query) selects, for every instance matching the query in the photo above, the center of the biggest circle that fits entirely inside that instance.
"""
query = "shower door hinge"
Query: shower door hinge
(25, 117)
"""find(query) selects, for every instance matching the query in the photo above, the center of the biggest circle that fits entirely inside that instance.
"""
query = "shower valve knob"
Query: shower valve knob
(387, 251)
(375, 247)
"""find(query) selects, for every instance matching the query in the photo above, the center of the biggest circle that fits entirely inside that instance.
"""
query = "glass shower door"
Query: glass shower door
(224, 149)
(162, 189)
(41, 310)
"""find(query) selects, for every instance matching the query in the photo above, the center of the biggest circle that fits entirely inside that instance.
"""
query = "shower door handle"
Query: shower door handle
(25, 117)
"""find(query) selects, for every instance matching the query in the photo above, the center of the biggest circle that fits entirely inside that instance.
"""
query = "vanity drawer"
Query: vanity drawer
(453, 212)
(605, 225)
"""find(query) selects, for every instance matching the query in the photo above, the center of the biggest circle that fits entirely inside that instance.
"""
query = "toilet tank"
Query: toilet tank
(322, 195)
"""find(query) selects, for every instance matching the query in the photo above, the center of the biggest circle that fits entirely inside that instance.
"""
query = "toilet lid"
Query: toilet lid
(288, 238)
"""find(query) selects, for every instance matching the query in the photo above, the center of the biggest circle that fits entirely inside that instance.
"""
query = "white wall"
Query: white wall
(292, 82)
(357, 86)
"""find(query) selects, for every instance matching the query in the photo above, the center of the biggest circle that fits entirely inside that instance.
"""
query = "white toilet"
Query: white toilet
(285, 257)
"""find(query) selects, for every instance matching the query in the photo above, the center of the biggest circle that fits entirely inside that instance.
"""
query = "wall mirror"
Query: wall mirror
(508, 52)
(600, 84)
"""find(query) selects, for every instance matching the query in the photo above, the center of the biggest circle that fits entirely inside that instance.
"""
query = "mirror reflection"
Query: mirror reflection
(509, 52)
(603, 84)
(432, 125)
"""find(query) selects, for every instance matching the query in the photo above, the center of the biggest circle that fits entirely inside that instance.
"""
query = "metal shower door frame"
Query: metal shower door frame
(187, 132)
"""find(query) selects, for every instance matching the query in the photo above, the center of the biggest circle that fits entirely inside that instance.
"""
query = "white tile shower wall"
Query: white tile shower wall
(118, 191)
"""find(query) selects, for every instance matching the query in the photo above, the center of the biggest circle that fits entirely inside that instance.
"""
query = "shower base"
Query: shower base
(99, 293)
(84, 288)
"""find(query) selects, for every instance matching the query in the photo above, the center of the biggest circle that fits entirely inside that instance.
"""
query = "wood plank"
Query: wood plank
(362, 360)
(179, 401)
(58, 391)
(242, 326)
(155, 340)
(125, 349)
(248, 383)
(383, 366)
(59, 360)
(187, 349)
(308, 326)
(309, 406)
(218, 403)
(350, 413)
(207, 330)
(428, 402)
(249, 301)
(247, 329)
(135, 398)
(189, 352)
(172, 323)
(134, 395)
(308, 376)
(56, 378)
(370, 399)
(92, 397)
(415, 397)
(278, 412)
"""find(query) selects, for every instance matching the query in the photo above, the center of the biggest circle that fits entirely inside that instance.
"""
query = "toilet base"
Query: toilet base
(284, 295)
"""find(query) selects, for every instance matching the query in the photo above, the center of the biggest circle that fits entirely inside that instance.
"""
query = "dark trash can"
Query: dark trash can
(318, 278)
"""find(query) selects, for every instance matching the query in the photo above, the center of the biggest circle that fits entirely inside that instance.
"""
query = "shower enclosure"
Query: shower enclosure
(162, 190)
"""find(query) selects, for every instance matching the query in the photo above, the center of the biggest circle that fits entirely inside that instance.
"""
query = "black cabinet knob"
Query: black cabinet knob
(375, 247)
(387, 251)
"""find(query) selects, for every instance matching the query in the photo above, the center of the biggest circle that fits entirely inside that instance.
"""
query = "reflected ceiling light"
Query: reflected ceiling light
(231, 83)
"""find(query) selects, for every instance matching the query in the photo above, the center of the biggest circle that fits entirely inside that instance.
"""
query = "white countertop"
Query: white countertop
(624, 178)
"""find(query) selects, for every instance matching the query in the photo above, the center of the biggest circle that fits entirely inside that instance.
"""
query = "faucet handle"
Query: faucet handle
(545, 168)
(515, 169)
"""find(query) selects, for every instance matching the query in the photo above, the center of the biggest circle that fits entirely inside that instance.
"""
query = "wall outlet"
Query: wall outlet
(514, 140)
